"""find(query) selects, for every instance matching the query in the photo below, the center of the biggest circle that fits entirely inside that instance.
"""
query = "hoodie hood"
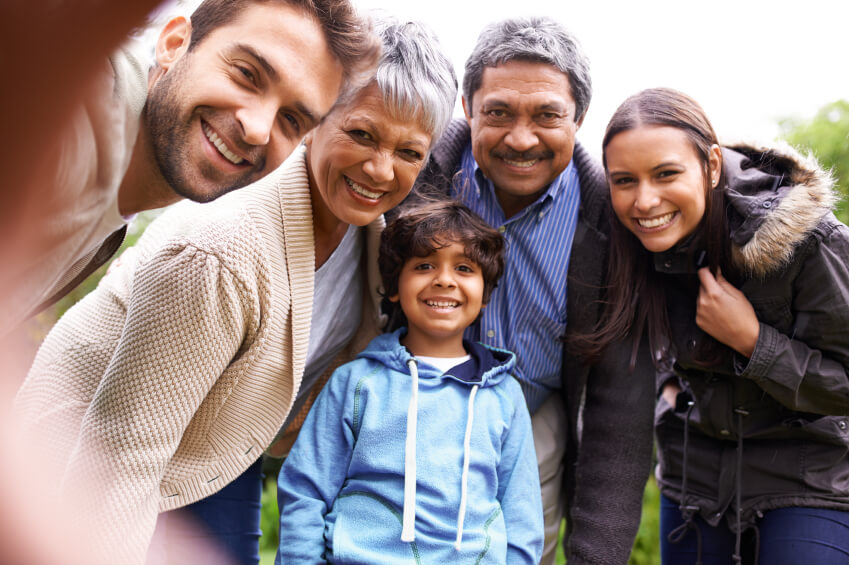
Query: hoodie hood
(777, 197)
(486, 367)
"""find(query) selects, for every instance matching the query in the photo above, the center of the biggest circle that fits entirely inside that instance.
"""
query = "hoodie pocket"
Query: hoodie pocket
(363, 525)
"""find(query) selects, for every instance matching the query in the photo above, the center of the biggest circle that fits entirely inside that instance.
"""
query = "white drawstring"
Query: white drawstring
(467, 441)
(408, 531)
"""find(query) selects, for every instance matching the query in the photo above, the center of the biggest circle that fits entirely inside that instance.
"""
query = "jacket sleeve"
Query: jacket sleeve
(313, 473)
(185, 321)
(613, 461)
(808, 370)
(518, 484)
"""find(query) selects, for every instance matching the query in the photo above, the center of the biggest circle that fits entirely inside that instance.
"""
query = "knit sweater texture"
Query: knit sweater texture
(171, 378)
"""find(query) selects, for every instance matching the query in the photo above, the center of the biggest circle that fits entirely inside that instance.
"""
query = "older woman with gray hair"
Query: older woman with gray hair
(167, 383)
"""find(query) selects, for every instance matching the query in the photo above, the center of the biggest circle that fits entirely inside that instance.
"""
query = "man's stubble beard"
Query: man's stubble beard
(170, 138)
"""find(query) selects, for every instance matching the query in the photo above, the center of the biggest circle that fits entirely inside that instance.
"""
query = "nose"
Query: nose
(257, 121)
(646, 198)
(521, 137)
(380, 167)
(444, 277)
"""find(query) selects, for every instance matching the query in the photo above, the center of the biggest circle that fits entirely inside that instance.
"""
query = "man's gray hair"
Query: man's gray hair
(415, 76)
(535, 39)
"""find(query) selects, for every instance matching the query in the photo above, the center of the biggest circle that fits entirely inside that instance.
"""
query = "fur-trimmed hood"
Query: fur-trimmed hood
(777, 196)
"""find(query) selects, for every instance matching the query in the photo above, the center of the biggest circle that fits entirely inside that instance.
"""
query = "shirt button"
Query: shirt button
(767, 204)
(667, 264)
(490, 333)
(842, 424)
(691, 345)
(502, 229)
(724, 433)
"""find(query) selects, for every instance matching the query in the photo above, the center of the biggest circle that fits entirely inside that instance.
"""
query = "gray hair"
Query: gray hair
(415, 77)
(535, 39)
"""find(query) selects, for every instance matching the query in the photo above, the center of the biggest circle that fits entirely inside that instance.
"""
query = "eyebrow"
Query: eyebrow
(498, 103)
(309, 115)
(666, 164)
(554, 106)
(494, 103)
(655, 168)
(412, 143)
(263, 62)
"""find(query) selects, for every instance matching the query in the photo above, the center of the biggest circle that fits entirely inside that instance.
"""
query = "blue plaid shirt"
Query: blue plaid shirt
(527, 311)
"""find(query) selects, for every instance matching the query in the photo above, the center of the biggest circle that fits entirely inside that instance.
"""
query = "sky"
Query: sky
(749, 63)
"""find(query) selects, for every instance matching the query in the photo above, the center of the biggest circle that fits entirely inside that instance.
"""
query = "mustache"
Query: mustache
(531, 155)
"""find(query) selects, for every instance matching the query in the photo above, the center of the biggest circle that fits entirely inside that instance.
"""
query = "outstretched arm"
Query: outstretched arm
(187, 316)
(59, 47)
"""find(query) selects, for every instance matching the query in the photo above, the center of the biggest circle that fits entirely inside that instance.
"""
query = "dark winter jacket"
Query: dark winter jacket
(788, 405)
(609, 443)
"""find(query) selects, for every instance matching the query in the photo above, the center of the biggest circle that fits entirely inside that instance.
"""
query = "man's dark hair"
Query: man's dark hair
(349, 37)
(423, 227)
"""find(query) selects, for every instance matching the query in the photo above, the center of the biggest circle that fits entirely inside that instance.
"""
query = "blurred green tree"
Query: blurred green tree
(826, 136)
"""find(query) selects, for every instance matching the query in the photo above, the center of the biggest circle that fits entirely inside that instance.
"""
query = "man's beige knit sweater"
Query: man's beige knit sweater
(172, 377)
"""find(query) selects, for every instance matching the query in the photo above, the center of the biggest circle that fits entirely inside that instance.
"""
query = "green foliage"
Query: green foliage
(826, 135)
(647, 545)
(269, 519)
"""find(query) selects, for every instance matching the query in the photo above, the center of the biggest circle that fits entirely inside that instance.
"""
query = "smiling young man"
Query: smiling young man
(515, 161)
(230, 94)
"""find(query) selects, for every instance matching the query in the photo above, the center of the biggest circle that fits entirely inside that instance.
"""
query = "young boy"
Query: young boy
(420, 450)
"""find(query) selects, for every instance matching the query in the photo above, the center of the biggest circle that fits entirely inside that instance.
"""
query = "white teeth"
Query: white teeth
(522, 164)
(363, 191)
(222, 148)
(655, 222)
(441, 304)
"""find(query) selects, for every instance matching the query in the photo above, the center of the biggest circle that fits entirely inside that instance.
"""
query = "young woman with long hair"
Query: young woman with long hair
(730, 260)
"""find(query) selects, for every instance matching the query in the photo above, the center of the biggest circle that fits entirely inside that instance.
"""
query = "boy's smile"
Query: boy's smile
(441, 295)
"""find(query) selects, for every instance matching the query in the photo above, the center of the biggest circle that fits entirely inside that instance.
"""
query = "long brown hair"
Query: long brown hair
(635, 293)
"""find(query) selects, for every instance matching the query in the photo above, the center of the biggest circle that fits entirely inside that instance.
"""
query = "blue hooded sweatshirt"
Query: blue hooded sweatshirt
(399, 463)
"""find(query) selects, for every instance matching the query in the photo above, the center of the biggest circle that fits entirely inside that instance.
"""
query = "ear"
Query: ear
(173, 42)
(308, 138)
(714, 165)
(467, 110)
(393, 298)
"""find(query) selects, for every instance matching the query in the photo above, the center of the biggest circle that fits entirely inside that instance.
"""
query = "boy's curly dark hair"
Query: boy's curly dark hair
(427, 225)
